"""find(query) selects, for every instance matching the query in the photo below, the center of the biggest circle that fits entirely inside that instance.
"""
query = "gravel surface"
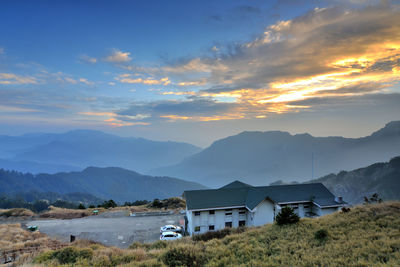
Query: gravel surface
(112, 229)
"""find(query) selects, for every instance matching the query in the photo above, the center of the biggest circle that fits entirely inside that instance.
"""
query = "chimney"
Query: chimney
(339, 199)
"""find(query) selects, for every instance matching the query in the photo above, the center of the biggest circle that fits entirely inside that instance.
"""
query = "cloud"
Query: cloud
(118, 56)
(192, 108)
(11, 78)
(87, 59)
(327, 52)
(113, 119)
(1, 50)
(86, 81)
(127, 78)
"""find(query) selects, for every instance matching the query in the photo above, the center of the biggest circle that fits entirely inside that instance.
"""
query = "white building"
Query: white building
(239, 204)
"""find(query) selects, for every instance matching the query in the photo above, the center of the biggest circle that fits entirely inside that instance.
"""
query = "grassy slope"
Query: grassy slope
(365, 236)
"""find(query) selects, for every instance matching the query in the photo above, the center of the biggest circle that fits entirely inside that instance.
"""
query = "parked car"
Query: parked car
(170, 236)
(171, 228)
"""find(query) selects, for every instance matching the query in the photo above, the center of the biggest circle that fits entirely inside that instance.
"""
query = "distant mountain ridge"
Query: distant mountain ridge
(105, 183)
(381, 178)
(260, 158)
(75, 150)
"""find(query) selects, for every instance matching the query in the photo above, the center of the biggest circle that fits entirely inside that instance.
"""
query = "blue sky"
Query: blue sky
(198, 71)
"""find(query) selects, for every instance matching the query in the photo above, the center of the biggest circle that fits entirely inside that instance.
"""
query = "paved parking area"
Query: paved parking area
(114, 230)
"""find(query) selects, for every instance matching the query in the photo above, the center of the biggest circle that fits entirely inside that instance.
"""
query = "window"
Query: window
(228, 210)
(197, 229)
(197, 213)
(228, 224)
(211, 227)
(242, 223)
(242, 211)
(228, 213)
(211, 212)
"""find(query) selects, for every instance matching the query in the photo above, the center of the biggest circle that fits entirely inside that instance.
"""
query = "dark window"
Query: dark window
(197, 213)
(228, 224)
(212, 212)
(242, 223)
(306, 206)
(242, 212)
(228, 210)
(197, 229)
(210, 227)
(228, 213)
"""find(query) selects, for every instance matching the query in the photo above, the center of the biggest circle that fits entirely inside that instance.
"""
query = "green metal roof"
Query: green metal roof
(238, 194)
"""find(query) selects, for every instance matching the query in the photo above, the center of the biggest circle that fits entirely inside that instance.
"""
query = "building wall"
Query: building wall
(204, 220)
(263, 213)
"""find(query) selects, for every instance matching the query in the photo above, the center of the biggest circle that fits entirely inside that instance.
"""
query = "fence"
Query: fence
(9, 256)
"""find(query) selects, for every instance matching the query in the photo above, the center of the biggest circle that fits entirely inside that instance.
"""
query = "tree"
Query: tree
(373, 199)
(109, 204)
(286, 216)
(40, 205)
(81, 206)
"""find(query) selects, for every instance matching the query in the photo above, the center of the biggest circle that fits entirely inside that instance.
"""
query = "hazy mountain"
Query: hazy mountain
(32, 196)
(263, 157)
(106, 183)
(381, 178)
(78, 149)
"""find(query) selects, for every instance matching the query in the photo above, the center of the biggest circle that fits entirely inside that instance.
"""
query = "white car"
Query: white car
(170, 228)
(170, 236)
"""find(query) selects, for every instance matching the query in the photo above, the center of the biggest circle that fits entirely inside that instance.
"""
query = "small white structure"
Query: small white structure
(239, 204)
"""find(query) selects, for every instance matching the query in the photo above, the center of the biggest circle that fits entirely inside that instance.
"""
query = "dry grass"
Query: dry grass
(365, 236)
(17, 212)
(62, 213)
(14, 238)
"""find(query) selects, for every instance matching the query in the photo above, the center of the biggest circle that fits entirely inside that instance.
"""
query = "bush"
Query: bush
(157, 245)
(321, 234)
(345, 209)
(218, 234)
(156, 203)
(66, 255)
(184, 256)
(286, 216)
(108, 204)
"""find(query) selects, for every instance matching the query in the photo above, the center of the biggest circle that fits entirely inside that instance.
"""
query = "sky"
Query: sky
(197, 71)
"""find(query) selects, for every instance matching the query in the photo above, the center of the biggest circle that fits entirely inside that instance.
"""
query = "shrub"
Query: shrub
(135, 245)
(156, 203)
(218, 234)
(189, 256)
(286, 216)
(157, 245)
(65, 256)
(321, 234)
(345, 209)
(108, 204)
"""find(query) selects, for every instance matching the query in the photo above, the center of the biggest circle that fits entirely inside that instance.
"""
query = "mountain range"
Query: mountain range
(382, 178)
(260, 158)
(106, 183)
(76, 150)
